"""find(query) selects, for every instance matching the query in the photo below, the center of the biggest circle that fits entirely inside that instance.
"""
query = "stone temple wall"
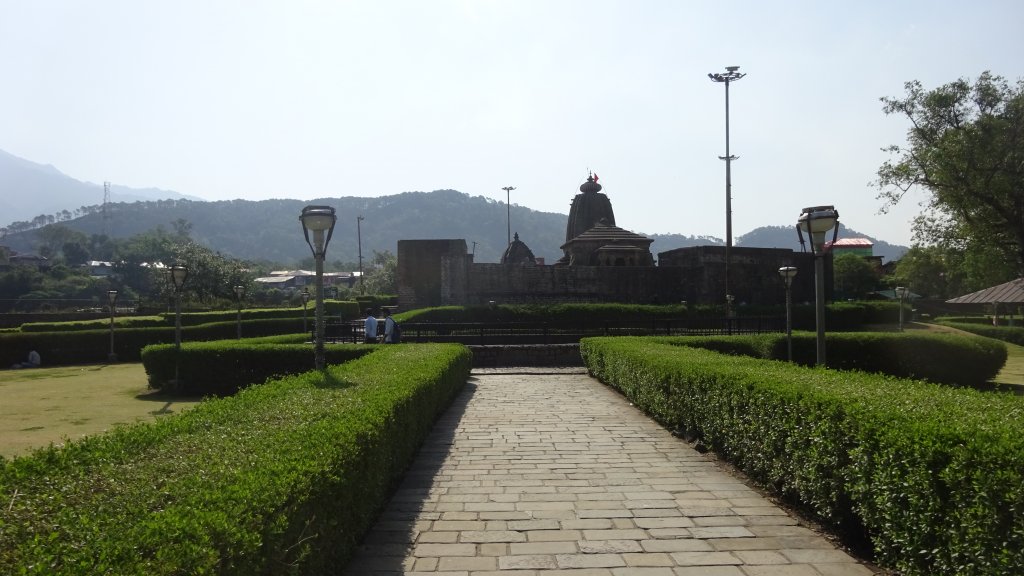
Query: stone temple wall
(552, 284)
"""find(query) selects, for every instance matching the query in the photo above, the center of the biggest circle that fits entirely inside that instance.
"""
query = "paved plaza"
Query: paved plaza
(556, 474)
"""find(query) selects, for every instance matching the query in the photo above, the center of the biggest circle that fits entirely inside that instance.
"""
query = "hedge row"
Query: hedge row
(840, 316)
(1012, 334)
(88, 346)
(283, 478)
(223, 367)
(931, 475)
(940, 358)
(345, 309)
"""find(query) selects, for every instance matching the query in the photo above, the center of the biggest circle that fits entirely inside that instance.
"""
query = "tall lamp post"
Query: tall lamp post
(112, 299)
(730, 75)
(815, 222)
(788, 273)
(508, 210)
(305, 300)
(179, 274)
(901, 294)
(239, 293)
(359, 237)
(320, 221)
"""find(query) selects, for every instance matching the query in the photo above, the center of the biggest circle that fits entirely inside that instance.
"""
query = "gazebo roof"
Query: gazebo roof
(1011, 292)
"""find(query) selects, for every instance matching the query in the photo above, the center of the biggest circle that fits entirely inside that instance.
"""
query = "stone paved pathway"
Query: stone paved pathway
(555, 474)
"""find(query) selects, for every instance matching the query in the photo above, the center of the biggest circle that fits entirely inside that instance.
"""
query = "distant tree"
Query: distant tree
(853, 276)
(382, 277)
(965, 147)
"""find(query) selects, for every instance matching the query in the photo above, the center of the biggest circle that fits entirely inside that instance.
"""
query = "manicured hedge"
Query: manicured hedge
(89, 346)
(941, 358)
(345, 309)
(283, 478)
(1012, 334)
(96, 324)
(223, 367)
(932, 475)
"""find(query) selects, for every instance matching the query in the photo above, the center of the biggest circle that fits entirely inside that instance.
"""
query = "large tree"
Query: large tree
(965, 146)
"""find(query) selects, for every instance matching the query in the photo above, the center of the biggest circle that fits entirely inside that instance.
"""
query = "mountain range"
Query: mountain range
(269, 230)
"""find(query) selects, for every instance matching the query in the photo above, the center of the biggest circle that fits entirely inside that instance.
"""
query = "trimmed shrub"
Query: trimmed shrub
(940, 358)
(223, 367)
(89, 346)
(97, 324)
(1011, 334)
(931, 475)
(283, 478)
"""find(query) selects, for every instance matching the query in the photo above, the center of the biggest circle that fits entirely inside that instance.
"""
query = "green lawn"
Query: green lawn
(47, 405)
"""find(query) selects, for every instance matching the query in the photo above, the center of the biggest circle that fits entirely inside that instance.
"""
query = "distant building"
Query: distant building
(858, 246)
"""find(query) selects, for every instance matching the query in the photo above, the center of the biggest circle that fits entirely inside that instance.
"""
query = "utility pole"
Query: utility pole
(731, 75)
(359, 235)
(508, 209)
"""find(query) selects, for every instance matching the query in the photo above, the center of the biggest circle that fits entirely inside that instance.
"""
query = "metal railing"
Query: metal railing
(483, 333)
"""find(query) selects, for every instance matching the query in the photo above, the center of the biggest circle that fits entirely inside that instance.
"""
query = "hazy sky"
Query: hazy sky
(302, 99)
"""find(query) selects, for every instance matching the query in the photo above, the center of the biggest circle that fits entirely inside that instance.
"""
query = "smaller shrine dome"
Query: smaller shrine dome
(591, 184)
(518, 253)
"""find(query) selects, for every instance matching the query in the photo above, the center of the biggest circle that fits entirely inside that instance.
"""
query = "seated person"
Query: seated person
(33, 361)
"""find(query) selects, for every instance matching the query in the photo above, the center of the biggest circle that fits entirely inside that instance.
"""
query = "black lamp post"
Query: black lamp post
(178, 274)
(731, 74)
(305, 300)
(112, 299)
(815, 222)
(508, 210)
(901, 294)
(788, 273)
(359, 237)
(239, 293)
(320, 221)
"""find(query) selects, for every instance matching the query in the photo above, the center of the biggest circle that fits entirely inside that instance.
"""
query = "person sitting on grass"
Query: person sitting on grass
(33, 361)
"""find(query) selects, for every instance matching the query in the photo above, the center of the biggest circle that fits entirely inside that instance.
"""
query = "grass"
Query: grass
(50, 405)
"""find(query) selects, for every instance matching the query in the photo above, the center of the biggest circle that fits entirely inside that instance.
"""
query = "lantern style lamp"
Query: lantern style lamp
(305, 300)
(901, 294)
(816, 221)
(179, 274)
(239, 293)
(320, 221)
(112, 299)
(788, 273)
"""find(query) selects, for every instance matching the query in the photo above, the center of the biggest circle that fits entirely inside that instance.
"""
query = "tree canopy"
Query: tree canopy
(965, 146)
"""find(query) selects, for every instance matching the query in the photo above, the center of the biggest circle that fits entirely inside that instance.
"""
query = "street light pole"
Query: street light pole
(730, 75)
(320, 220)
(359, 236)
(508, 210)
(179, 274)
(901, 293)
(816, 221)
(112, 299)
(239, 292)
(788, 273)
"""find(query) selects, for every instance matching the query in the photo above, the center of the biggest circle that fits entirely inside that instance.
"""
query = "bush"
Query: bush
(88, 346)
(97, 324)
(931, 475)
(1011, 334)
(940, 358)
(223, 367)
(283, 478)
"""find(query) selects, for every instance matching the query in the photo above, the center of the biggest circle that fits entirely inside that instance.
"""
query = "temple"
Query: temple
(600, 263)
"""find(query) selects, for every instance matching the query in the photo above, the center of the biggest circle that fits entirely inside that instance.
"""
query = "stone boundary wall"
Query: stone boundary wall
(547, 355)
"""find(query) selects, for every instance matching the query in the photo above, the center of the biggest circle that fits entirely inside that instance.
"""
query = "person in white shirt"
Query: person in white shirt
(370, 327)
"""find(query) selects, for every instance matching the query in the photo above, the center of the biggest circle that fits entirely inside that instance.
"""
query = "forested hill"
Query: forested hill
(269, 230)
(786, 237)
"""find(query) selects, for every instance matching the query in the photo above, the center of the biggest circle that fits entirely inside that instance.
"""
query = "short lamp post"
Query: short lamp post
(359, 239)
(112, 299)
(729, 312)
(239, 293)
(178, 274)
(305, 300)
(788, 273)
(815, 222)
(320, 221)
(901, 295)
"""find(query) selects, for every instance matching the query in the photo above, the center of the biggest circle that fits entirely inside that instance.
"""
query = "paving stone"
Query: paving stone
(557, 475)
